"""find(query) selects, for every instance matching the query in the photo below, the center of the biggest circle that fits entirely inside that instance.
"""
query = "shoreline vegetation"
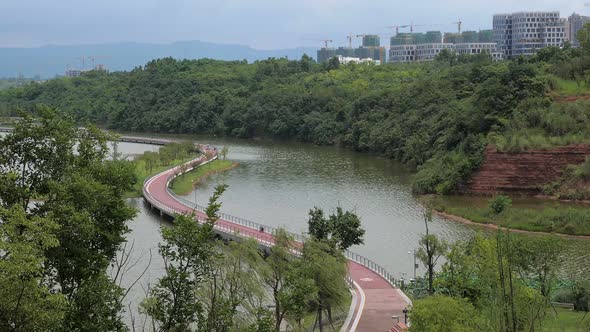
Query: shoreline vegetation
(436, 118)
(567, 222)
(186, 182)
(150, 163)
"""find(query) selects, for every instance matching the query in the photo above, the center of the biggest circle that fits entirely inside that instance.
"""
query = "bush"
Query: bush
(500, 204)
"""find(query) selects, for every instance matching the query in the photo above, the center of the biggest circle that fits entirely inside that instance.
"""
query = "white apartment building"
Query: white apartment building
(524, 33)
(427, 52)
(477, 48)
(346, 60)
(402, 53)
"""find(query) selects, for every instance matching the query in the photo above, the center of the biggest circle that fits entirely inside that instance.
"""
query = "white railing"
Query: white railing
(258, 230)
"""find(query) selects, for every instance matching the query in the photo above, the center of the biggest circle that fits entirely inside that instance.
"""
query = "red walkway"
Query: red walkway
(377, 300)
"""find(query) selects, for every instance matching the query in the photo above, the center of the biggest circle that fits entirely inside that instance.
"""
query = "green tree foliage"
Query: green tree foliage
(49, 157)
(493, 277)
(280, 266)
(584, 37)
(434, 117)
(327, 268)
(430, 249)
(27, 304)
(341, 229)
(188, 251)
(499, 204)
(443, 313)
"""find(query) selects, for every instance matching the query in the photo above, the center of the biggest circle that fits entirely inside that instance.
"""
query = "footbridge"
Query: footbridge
(378, 303)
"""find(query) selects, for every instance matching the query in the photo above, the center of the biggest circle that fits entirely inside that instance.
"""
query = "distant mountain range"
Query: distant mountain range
(49, 61)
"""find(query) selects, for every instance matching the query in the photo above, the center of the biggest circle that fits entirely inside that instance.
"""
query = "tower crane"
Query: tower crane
(349, 37)
(326, 41)
(459, 23)
(397, 27)
(93, 59)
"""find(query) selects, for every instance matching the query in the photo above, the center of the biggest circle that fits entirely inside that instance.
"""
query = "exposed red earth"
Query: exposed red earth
(523, 172)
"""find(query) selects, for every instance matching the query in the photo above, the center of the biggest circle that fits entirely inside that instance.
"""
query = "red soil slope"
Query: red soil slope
(523, 172)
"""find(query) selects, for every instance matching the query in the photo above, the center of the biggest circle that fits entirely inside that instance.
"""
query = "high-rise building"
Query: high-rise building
(524, 33)
(427, 52)
(406, 47)
(576, 23)
(371, 49)
(325, 54)
(478, 48)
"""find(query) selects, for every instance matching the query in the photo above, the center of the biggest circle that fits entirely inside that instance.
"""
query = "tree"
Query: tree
(539, 258)
(151, 160)
(326, 266)
(342, 229)
(232, 294)
(188, 251)
(264, 322)
(442, 313)
(500, 204)
(431, 249)
(224, 152)
(26, 302)
(280, 263)
(583, 37)
(82, 193)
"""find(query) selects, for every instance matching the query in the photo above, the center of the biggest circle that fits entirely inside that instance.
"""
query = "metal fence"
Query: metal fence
(258, 230)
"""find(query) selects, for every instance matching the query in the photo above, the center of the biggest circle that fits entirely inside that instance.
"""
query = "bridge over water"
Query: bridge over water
(377, 299)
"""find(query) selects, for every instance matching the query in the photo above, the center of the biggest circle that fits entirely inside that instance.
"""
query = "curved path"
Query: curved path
(377, 298)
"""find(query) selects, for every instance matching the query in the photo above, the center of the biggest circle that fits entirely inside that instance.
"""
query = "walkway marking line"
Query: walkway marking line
(351, 310)
(361, 307)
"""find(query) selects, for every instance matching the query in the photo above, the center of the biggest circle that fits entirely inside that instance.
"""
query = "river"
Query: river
(276, 183)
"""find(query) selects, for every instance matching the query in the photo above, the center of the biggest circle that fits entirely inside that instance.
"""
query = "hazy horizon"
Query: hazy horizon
(260, 24)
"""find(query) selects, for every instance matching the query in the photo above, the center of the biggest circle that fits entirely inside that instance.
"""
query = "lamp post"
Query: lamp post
(415, 263)
(405, 311)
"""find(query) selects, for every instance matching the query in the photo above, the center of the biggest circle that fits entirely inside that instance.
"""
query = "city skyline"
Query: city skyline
(262, 24)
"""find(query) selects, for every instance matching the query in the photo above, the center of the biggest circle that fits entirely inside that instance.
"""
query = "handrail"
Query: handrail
(257, 228)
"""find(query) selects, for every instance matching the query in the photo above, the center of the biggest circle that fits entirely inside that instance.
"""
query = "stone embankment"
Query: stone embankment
(523, 172)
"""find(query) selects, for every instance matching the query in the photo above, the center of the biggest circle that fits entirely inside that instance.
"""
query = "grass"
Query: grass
(309, 319)
(565, 321)
(184, 184)
(551, 217)
(568, 88)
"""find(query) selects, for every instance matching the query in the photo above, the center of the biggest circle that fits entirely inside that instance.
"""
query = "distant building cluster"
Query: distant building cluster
(513, 35)
(370, 49)
(78, 72)
(418, 47)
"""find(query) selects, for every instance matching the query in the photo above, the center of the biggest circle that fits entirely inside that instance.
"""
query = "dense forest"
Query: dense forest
(435, 117)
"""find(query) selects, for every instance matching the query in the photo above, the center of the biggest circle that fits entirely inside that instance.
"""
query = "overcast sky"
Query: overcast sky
(264, 24)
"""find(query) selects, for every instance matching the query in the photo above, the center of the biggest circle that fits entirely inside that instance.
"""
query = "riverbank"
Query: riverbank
(185, 183)
(567, 221)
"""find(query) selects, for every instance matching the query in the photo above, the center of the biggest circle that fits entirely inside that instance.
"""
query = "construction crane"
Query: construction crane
(326, 41)
(349, 37)
(459, 23)
(93, 59)
(397, 27)
(82, 60)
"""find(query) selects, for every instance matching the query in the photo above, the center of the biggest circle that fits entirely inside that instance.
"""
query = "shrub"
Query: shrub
(500, 204)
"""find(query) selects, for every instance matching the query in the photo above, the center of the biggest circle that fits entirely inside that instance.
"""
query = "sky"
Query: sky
(262, 24)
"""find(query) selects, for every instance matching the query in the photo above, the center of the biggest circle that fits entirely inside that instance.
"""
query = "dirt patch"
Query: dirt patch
(523, 172)
(570, 99)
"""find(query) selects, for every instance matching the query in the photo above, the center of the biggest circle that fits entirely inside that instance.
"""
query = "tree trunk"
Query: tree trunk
(431, 278)
(277, 310)
(320, 309)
